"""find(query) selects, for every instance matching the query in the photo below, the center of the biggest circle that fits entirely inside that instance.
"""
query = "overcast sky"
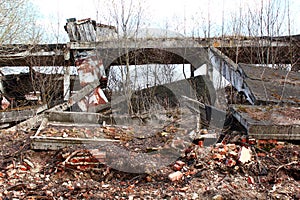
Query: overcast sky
(172, 14)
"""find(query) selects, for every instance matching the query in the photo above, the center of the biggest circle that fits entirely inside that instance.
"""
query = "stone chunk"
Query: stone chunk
(175, 176)
(245, 155)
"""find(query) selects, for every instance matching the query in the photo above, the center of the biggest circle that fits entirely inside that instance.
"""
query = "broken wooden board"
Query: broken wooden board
(269, 122)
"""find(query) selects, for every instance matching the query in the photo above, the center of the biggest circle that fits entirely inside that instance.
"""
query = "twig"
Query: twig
(285, 165)
(258, 164)
(284, 86)
(17, 187)
(263, 83)
(16, 153)
(69, 157)
(273, 159)
(136, 177)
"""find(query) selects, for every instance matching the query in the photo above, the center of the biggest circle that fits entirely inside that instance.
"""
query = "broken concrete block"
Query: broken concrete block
(217, 197)
(98, 154)
(218, 156)
(177, 167)
(201, 143)
(230, 162)
(203, 131)
(180, 163)
(250, 180)
(245, 155)
(233, 154)
(231, 146)
(222, 151)
(175, 176)
(95, 98)
(11, 172)
(49, 193)
(4, 103)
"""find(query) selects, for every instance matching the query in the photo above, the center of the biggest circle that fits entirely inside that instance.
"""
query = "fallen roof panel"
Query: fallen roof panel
(272, 85)
(265, 122)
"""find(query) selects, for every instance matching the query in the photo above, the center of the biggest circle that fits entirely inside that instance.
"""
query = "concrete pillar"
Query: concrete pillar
(67, 83)
(192, 71)
(209, 72)
(1, 85)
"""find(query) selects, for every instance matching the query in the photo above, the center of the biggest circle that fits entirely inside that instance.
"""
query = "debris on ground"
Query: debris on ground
(234, 168)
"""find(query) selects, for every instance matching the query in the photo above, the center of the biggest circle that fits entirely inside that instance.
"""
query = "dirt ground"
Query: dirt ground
(236, 168)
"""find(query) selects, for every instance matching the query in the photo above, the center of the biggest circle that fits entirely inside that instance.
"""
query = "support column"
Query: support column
(67, 83)
(192, 71)
(210, 72)
(1, 83)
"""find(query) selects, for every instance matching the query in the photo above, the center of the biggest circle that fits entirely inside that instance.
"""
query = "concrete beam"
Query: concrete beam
(231, 72)
(20, 115)
(34, 55)
(79, 117)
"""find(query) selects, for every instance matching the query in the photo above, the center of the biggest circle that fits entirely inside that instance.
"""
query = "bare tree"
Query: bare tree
(19, 26)
(260, 23)
(18, 22)
(127, 16)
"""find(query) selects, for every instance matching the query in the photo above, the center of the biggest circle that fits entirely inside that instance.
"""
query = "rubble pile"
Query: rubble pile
(235, 168)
